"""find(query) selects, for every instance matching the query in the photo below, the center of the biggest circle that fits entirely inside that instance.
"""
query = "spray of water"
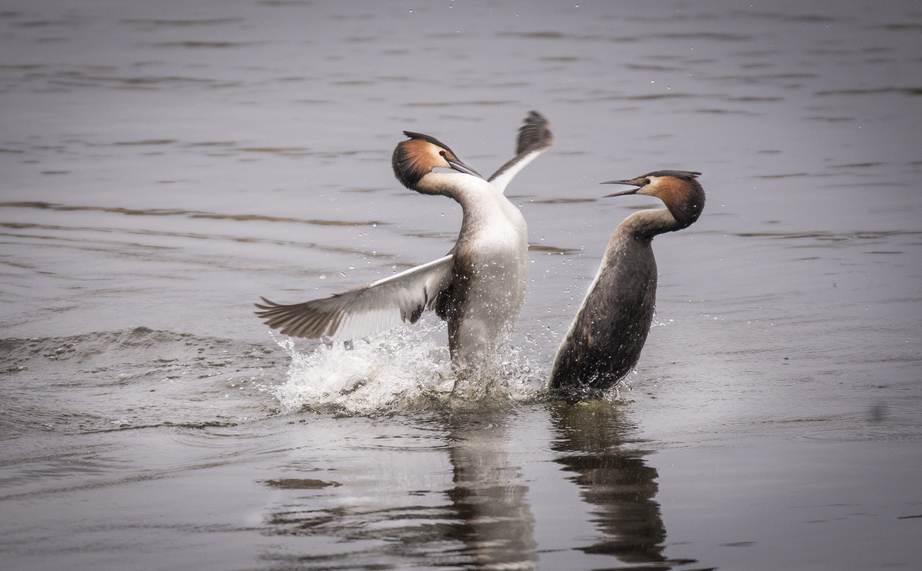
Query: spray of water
(399, 369)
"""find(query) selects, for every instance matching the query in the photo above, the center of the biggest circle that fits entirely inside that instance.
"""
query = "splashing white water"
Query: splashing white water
(391, 371)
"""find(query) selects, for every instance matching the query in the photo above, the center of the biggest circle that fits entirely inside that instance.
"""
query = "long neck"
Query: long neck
(483, 206)
(476, 196)
(443, 183)
(648, 223)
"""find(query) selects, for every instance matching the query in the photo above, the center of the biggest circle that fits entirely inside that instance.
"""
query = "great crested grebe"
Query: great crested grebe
(604, 342)
(478, 288)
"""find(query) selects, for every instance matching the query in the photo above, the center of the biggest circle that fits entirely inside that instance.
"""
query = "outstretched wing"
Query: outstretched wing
(363, 311)
(535, 137)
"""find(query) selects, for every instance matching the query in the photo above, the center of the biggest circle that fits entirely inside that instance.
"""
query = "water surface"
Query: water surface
(165, 164)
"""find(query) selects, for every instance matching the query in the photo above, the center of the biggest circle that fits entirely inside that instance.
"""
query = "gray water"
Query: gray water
(166, 163)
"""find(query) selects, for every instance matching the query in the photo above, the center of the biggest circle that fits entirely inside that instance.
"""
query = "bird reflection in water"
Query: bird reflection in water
(484, 518)
(496, 524)
(492, 502)
(613, 479)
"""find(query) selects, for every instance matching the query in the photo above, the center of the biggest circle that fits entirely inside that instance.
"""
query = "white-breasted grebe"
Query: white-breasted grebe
(478, 288)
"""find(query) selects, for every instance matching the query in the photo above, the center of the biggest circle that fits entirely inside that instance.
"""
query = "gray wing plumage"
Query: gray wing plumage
(363, 311)
(535, 137)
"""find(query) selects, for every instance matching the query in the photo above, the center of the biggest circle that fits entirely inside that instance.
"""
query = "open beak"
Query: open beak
(461, 167)
(623, 192)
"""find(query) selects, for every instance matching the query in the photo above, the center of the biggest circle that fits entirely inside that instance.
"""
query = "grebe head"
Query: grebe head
(416, 157)
(678, 190)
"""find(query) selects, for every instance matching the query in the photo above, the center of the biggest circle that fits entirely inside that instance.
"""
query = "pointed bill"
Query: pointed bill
(461, 167)
(623, 192)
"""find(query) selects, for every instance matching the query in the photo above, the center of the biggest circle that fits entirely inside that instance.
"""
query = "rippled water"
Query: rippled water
(166, 163)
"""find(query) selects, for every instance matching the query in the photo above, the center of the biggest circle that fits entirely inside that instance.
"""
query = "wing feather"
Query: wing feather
(535, 137)
(365, 310)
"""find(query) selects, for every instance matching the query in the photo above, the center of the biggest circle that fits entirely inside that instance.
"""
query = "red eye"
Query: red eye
(646, 181)
(442, 153)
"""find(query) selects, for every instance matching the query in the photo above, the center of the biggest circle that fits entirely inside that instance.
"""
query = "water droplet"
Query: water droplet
(323, 277)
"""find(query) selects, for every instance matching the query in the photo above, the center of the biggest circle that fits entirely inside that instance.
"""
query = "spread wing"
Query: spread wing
(363, 311)
(535, 137)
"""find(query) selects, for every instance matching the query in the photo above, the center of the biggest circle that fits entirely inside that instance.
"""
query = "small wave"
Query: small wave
(400, 369)
(134, 379)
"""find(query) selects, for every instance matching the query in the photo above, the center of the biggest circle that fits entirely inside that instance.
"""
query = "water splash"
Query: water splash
(399, 369)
